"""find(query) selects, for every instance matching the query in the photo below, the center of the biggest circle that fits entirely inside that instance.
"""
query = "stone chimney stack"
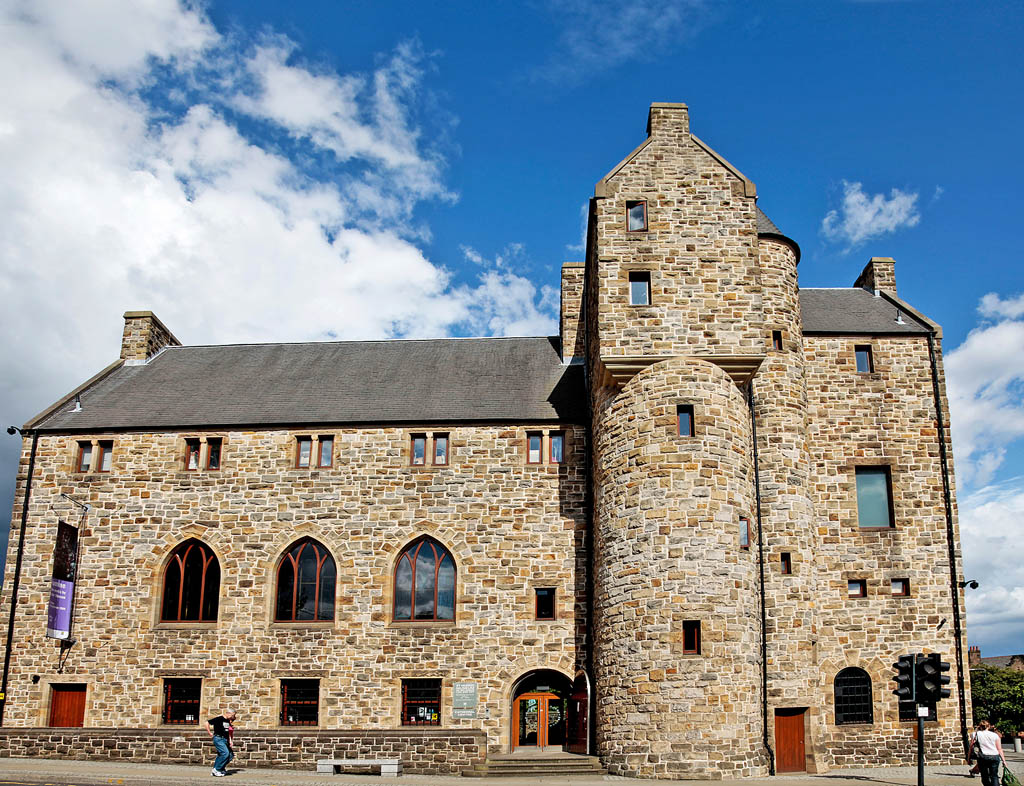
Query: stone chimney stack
(668, 120)
(144, 336)
(973, 656)
(878, 274)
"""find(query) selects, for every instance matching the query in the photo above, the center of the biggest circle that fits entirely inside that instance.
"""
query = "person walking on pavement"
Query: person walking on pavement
(990, 753)
(222, 731)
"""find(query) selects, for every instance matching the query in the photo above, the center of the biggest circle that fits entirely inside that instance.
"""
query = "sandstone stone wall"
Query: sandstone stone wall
(509, 526)
(667, 551)
(144, 336)
(571, 311)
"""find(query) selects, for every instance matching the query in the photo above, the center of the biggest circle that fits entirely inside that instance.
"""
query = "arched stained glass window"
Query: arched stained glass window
(425, 582)
(191, 584)
(305, 583)
(853, 697)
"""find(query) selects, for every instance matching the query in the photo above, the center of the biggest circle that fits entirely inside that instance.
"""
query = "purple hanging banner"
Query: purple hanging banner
(62, 585)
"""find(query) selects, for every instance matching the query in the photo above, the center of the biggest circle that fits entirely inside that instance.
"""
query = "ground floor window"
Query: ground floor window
(300, 702)
(181, 701)
(853, 697)
(421, 702)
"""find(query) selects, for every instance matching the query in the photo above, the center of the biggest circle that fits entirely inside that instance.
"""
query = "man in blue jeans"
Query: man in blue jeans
(221, 730)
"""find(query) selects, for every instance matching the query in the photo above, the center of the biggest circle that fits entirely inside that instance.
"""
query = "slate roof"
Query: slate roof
(357, 382)
(765, 226)
(854, 311)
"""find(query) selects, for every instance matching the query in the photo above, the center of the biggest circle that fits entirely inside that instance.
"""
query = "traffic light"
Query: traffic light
(905, 682)
(930, 679)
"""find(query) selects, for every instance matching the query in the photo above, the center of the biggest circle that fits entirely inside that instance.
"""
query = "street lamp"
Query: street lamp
(969, 583)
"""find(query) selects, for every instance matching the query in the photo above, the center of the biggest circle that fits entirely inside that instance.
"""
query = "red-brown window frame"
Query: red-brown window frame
(862, 585)
(82, 446)
(777, 340)
(324, 438)
(551, 446)
(904, 588)
(285, 703)
(219, 442)
(169, 701)
(632, 203)
(426, 702)
(293, 559)
(540, 448)
(643, 276)
(410, 553)
(104, 448)
(869, 353)
(190, 444)
(691, 637)
(786, 563)
(298, 452)
(447, 450)
(412, 450)
(744, 533)
(178, 558)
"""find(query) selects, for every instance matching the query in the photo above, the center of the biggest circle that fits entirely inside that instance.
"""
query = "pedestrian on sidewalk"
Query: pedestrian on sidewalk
(222, 730)
(990, 753)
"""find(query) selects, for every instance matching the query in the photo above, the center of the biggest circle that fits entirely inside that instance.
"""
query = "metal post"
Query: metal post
(920, 748)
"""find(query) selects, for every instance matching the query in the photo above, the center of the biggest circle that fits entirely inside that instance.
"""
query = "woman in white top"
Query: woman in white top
(990, 753)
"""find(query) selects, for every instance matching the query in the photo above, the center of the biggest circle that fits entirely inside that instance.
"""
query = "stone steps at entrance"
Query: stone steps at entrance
(529, 766)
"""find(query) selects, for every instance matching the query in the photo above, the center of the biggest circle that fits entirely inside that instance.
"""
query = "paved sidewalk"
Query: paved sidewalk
(94, 773)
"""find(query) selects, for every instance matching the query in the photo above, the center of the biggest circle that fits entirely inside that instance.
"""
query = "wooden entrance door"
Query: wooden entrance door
(789, 740)
(538, 720)
(67, 705)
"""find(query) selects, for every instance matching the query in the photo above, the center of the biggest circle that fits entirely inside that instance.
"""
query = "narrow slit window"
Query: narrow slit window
(533, 448)
(213, 447)
(865, 362)
(639, 288)
(418, 450)
(84, 462)
(777, 340)
(325, 453)
(557, 448)
(874, 497)
(545, 603)
(300, 702)
(691, 637)
(786, 563)
(636, 215)
(900, 588)
(191, 455)
(106, 456)
(744, 533)
(684, 417)
(440, 449)
(303, 451)
(857, 588)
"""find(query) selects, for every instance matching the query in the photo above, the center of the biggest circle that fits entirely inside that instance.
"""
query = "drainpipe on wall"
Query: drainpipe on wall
(17, 572)
(760, 566)
(954, 587)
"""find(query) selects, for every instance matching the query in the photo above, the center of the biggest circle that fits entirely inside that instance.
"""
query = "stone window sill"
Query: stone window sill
(301, 625)
(420, 624)
(185, 626)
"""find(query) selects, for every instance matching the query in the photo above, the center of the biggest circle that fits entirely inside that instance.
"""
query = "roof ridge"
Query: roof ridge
(360, 341)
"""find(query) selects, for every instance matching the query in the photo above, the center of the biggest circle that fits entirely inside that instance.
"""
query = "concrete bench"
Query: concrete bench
(386, 766)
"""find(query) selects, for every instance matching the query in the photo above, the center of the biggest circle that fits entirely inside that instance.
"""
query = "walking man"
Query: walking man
(222, 731)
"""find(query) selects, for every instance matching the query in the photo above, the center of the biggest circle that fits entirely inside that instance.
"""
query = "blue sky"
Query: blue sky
(257, 171)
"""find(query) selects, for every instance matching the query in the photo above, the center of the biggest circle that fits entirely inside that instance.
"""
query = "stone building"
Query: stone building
(688, 535)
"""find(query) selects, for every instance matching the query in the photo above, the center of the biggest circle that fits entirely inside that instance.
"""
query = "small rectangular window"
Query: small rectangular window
(557, 447)
(84, 463)
(777, 340)
(303, 451)
(865, 363)
(106, 456)
(191, 455)
(874, 497)
(744, 533)
(533, 451)
(786, 563)
(857, 588)
(636, 216)
(213, 453)
(684, 417)
(440, 449)
(325, 453)
(418, 449)
(901, 588)
(181, 701)
(691, 636)
(639, 288)
(300, 702)
(545, 603)
(421, 702)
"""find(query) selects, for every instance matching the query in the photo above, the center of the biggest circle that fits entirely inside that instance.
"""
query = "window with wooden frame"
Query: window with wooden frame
(191, 584)
(639, 288)
(300, 702)
(865, 361)
(181, 701)
(421, 702)
(440, 449)
(900, 588)
(852, 688)
(534, 442)
(857, 588)
(744, 533)
(105, 456)
(325, 451)
(691, 637)
(556, 447)
(874, 497)
(684, 420)
(303, 452)
(636, 215)
(424, 582)
(306, 577)
(192, 447)
(418, 449)
(786, 563)
(544, 603)
(777, 340)
(83, 461)
(213, 450)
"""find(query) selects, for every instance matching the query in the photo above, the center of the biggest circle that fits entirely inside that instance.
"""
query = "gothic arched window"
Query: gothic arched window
(425, 582)
(853, 697)
(191, 584)
(305, 583)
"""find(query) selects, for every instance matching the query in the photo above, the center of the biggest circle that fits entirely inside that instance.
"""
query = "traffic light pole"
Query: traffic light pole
(920, 748)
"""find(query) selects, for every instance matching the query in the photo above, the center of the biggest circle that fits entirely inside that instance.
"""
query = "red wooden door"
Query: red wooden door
(67, 705)
(789, 740)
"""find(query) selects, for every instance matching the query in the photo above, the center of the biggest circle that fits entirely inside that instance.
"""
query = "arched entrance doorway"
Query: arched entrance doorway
(540, 712)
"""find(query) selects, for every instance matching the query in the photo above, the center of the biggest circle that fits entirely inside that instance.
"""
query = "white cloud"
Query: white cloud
(985, 382)
(863, 216)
